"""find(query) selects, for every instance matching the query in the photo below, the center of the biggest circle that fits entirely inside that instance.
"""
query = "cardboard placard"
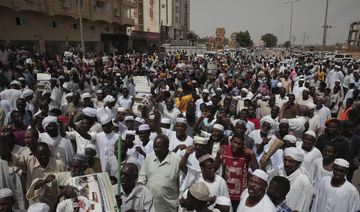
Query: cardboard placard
(43, 81)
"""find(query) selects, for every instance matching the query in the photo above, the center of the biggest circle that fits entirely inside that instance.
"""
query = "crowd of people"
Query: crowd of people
(267, 130)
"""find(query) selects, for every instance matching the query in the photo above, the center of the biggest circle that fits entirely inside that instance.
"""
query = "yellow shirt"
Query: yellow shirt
(182, 104)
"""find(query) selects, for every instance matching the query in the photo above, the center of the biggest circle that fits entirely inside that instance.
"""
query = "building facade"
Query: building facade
(52, 25)
(354, 34)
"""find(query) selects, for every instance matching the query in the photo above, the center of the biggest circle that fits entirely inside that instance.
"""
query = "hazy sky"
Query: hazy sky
(269, 16)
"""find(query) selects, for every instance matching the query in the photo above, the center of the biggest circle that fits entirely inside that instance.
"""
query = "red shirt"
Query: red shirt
(256, 123)
(235, 170)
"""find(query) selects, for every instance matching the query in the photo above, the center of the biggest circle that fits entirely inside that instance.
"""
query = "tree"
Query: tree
(269, 39)
(244, 39)
(286, 44)
(193, 36)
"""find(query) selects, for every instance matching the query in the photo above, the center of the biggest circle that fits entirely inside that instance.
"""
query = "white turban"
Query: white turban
(109, 98)
(271, 121)
(88, 111)
(294, 153)
(103, 116)
(68, 95)
(15, 82)
(144, 127)
(39, 207)
(5, 192)
(90, 146)
(223, 200)
(68, 86)
(260, 173)
(130, 132)
(279, 85)
(181, 120)
(310, 132)
(245, 90)
(200, 140)
(219, 127)
(49, 119)
(341, 162)
(206, 91)
(27, 92)
(129, 118)
(121, 109)
(311, 106)
(290, 138)
(85, 95)
(140, 120)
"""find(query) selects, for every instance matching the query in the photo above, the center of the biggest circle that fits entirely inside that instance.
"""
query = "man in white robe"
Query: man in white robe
(301, 188)
(336, 193)
(308, 148)
(322, 111)
(254, 198)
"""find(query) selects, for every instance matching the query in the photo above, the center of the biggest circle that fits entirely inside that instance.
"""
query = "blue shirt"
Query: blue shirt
(283, 207)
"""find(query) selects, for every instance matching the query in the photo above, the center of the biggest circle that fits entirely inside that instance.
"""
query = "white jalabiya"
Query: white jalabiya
(317, 172)
(174, 142)
(309, 157)
(297, 125)
(81, 142)
(105, 147)
(314, 122)
(324, 114)
(217, 188)
(62, 147)
(301, 188)
(335, 199)
(265, 204)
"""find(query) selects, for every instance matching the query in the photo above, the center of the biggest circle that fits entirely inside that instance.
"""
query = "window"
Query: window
(52, 24)
(163, 5)
(62, 1)
(106, 29)
(73, 26)
(79, 2)
(91, 27)
(20, 21)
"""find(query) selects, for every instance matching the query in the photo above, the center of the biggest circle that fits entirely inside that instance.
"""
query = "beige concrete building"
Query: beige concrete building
(52, 25)
(170, 17)
(354, 34)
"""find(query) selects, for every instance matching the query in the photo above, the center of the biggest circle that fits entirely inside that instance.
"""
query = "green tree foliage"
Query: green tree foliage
(286, 44)
(269, 39)
(244, 39)
(193, 36)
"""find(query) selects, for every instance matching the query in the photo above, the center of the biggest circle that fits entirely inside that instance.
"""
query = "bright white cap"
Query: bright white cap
(39, 207)
(15, 82)
(181, 120)
(103, 116)
(206, 91)
(144, 127)
(129, 118)
(341, 162)
(88, 111)
(69, 94)
(290, 138)
(219, 127)
(85, 95)
(27, 92)
(109, 98)
(165, 121)
(49, 119)
(245, 90)
(99, 91)
(294, 153)
(260, 173)
(140, 120)
(121, 109)
(279, 85)
(200, 140)
(310, 132)
(311, 106)
(90, 146)
(152, 117)
(5, 192)
(223, 200)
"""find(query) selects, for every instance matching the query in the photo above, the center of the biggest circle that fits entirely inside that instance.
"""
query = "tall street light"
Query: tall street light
(292, 4)
(325, 30)
(81, 27)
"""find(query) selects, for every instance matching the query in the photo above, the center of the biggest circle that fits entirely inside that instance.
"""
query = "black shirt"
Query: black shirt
(340, 144)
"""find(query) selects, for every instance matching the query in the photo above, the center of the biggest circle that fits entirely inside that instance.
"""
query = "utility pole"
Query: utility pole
(325, 30)
(81, 28)
(292, 4)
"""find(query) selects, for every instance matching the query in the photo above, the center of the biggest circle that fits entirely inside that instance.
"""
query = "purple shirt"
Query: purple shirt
(19, 134)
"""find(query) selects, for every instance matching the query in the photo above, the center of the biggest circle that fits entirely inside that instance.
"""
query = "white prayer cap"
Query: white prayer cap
(45, 92)
(290, 138)
(15, 82)
(67, 86)
(121, 109)
(301, 79)
(152, 117)
(39, 207)
(118, 74)
(279, 85)
(49, 119)
(21, 78)
(61, 77)
(130, 132)
(165, 121)
(85, 95)
(218, 89)
(310, 132)
(337, 66)
(206, 91)
(194, 81)
(204, 158)
(294, 153)
(88, 111)
(271, 121)
(87, 76)
(284, 121)
(245, 90)
(99, 91)
(69, 94)
(28, 92)
(260, 173)
(129, 118)
(144, 127)
(200, 140)
(181, 120)
(5, 192)
(102, 116)
(311, 106)
(109, 98)
(223, 200)
(219, 127)
(341, 162)
(90, 146)
(140, 120)
(200, 191)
